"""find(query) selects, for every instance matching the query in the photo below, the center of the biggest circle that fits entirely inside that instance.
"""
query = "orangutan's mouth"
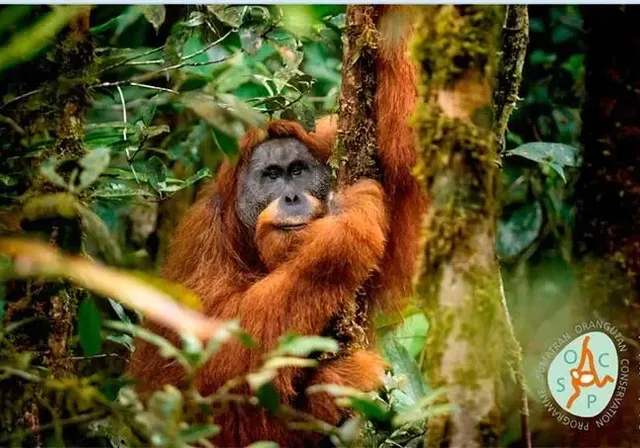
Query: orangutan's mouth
(291, 227)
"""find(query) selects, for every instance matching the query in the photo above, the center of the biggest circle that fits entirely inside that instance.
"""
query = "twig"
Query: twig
(515, 37)
(121, 63)
(153, 61)
(10, 371)
(516, 352)
(150, 75)
(76, 419)
(205, 48)
(19, 97)
(124, 113)
(136, 84)
(183, 60)
(15, 126)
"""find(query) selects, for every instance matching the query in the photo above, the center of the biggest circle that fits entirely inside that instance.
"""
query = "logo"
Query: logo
(583, 383)
(586, 375)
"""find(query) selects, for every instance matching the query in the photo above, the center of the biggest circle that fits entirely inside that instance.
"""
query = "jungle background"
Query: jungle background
(111, 120)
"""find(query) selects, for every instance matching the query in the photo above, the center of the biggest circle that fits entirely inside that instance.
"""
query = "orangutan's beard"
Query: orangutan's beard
(276, 246)
(279, 237)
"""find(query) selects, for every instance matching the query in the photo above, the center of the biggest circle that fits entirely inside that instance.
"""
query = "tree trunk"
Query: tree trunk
(355, 154)
(470, 342)
(51, 306)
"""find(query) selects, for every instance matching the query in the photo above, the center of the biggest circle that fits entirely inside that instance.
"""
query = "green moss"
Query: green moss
(452, 39)
(457, 166)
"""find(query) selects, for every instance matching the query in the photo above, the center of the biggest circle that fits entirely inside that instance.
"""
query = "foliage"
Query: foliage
(544, 130)
(163, 94)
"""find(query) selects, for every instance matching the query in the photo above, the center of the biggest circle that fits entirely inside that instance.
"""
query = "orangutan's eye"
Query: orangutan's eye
(272, 172)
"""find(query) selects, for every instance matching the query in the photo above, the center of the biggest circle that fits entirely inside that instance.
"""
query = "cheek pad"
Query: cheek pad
(252, 199)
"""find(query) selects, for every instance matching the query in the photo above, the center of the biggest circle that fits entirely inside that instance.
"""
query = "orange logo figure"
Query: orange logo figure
(585, 378)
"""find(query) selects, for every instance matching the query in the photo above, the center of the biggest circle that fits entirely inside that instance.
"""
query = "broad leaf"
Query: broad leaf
(93, 164)
(269, 398)
(156, 173)
(555, 155)
(305, 345)
(517, 231)
(89, 327)
(195, 433)
(155, 14)
(404, 364)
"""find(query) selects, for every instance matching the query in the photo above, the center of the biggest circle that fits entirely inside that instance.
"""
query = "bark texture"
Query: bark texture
(51, 306)
(470, 342)
(356, 150)
(515, 38)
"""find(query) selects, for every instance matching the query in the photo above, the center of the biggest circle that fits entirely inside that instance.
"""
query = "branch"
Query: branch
(128, 60)
(183, 61)
(515, 37)
(118, 84)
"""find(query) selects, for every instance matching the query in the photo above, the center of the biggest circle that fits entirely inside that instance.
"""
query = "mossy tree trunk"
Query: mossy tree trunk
(470, 345)
(357, 134)
(48, 309)
(608, 198)
(355, 155)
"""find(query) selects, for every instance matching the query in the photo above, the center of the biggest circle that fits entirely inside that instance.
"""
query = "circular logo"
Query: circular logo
(582, 377)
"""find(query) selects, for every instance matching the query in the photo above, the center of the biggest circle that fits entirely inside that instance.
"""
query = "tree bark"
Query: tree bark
(515, 38)
(52, 303)
(355, 155)
(470, 342)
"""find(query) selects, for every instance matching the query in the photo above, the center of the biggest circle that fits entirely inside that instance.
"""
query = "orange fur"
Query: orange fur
(395, 100)
(275, 285)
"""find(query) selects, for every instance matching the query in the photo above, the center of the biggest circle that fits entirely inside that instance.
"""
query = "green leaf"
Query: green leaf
(195, 433)
(182, 184)
(258, 379)
(562, 33)
(540, 57)
(350, 431)
(373, 410)
(25, 44)
(404, 364)
(263, 444)
(305, 345)
(2, 294)
(93, 164)
(556, 155)
(231, 15)
(575, 65)
(8, 181)
(119, 309)
(196, 18)
(269, 398)
(129, 17)
(156, 172)
(412, 334)
(250, 40)
(89, 327)
(98, 231)
(517, 231)
(110, 387)
(278, 362)
(155, 14)
(153, 131)
(150, 112)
